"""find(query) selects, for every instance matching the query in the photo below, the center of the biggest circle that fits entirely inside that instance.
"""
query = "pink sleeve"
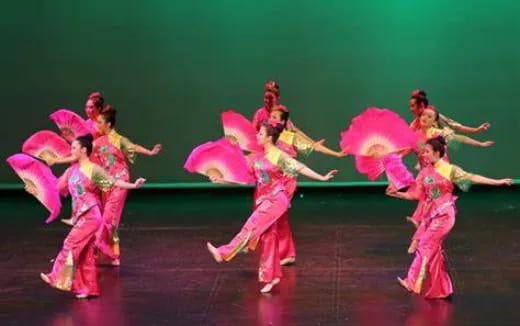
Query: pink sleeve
(417, 187)
(256, 118)
(63, 183)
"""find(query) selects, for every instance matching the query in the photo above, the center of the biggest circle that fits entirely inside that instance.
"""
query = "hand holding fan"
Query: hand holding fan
(222, 160)
(374, 134)
(70, 124)
(46, 145)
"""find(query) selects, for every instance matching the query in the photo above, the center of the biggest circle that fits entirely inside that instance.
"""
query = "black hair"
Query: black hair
(85, 141)
(273, 131)
(97, 99)
(419, 92)
(421, 100)
(438, 145)
(273, 87)
(284, 115)
(109, 115)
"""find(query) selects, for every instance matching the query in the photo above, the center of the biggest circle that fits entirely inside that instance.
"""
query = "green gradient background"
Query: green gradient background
(170, 67)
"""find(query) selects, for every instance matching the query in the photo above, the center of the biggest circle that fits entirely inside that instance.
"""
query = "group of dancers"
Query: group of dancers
(266, 152)
(97, 181)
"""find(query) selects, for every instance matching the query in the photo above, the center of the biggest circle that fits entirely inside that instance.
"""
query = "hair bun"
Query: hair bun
(95, 95)
(440, 139)
(418, 93)
(108, 108)
(89, 137)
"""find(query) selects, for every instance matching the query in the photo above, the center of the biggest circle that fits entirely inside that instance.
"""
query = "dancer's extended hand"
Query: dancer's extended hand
(329, 175)
(487, 143)
(30, 189)
(216, 179)
(483, 127)
(156, 149)
(506, 182)
(139, 183)
(392, 191)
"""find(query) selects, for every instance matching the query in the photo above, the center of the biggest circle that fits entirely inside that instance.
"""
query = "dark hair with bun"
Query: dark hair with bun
(438, 145)
(419, 92)
(273, 87)
(109, 115)
(421, 100)
(273, 130)
(284, 114)
(85, 141)
(97, 99)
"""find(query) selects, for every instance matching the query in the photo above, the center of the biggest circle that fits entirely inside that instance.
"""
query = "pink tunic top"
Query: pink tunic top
(112, 151)
(83, 182)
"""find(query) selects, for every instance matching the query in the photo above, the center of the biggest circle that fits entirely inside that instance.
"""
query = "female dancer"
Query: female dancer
(292, 144)
(271, 97)
(93, 107)
(74, 268)
(272, 202)
(427, 275)
(419, 101)
(112, 151)
(428, 130)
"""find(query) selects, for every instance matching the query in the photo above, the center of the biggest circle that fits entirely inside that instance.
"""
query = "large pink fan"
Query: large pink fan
(39, 181)
(240, 130)
(70, 123)
(46, 144)
(374, 134)
(221, 158)
(377, 132)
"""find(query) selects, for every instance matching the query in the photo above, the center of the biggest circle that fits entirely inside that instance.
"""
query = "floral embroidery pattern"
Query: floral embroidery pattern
(264, 176)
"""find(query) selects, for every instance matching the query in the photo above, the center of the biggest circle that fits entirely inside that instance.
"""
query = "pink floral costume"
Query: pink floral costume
(112, 151)
(272, 201)
(74, 268)
(427, 275)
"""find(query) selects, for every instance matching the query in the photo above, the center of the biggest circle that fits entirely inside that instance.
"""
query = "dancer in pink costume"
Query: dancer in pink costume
(112, 151)
(270, 168)
(419, 101)
(74, 268)
(427, 275)
(428, 130)
(292, 144)
(93, 108)
(271, 97)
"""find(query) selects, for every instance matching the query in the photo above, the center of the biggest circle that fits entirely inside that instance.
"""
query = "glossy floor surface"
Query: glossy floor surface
(351, 246)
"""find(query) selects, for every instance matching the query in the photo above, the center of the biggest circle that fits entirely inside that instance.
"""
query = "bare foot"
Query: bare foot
(411, 220)
(287, 261)
(68, 221)
(403, 284)
(45, 278)
(269, 286)
(413, 246)
(214, 252)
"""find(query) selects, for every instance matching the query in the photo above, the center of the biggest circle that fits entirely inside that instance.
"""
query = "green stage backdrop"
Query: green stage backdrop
(170, 68)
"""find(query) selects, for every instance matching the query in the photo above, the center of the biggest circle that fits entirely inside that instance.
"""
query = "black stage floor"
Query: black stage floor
(351, 246)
